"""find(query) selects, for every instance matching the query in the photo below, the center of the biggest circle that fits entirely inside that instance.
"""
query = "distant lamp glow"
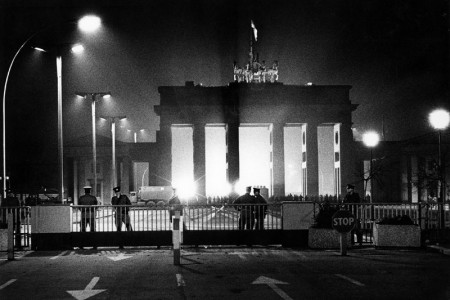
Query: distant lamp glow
(77, 49)
(371, 139)
(39, 49)
(107, 96)
(89, 23)
(439, 119)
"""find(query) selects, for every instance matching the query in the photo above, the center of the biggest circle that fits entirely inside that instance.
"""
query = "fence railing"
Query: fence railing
(220, 217)
(21, 222)
(106, 218)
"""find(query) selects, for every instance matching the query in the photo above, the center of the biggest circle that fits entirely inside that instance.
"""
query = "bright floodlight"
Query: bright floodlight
(89, 23)
(439, 119)
(371, 139)
(77, 48)
(185, 188)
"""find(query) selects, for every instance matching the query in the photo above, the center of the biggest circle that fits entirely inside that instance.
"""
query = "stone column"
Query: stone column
(312, 163)
(349, 165)
(164, 164)
(278, 160)
(199, 158)
(125, 186)
(232, 152)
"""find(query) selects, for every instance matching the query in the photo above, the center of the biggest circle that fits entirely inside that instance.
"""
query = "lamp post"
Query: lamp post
(112, 120)
(439, 120)
(87, 24)
(371, 140)
(93, 98)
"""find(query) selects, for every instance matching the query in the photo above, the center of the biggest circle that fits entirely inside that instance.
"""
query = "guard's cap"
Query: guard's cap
(116, 189)
(87, 187)
(350, 186)
(256, 190)
(248, 189)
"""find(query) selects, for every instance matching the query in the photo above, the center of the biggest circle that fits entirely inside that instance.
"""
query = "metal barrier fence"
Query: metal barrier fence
(22, 225)
(106, 217)
(157, 218)
(426, 215)
(233, 217)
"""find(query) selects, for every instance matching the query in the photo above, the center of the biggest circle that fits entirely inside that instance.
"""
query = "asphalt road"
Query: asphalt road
(226, 273)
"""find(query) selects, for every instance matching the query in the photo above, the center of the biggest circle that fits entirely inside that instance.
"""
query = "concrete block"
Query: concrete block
(396, 235)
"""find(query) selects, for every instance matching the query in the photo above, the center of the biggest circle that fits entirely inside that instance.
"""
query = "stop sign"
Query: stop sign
(343, 221)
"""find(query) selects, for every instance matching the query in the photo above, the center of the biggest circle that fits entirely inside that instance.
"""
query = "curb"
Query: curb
(440, 249)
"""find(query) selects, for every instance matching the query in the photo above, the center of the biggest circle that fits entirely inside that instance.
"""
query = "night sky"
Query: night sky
(394, 54)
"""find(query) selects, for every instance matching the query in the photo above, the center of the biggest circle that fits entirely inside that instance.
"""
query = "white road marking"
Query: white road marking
(61, 254)
(7, 283)
(299, 254)
(88, 291)
(350, 279)
(272, 283)
(180, 280)
(240, 254)
(118, 257)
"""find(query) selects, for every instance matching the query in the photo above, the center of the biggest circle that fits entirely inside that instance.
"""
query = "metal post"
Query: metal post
(343, 241)
(442, 185)
(94, 148)
(176, 238)
(10, 235)
(113, 171)
(60, 130)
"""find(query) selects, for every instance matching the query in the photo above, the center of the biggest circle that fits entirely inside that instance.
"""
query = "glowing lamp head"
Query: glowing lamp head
(371, 139)
(77, 49)
(439, 119)
(89, 23)
(107, 96)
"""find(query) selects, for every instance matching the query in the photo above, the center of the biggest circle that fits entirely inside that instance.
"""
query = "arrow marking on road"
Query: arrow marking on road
(6, 284)
(61, 254)
(180, 280)
(121, 256)
(349, 279)
(272, 283)
(88, 291)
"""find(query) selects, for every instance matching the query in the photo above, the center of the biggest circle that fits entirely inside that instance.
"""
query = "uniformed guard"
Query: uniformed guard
(87, 213)
(260, 208)
(121, 212)
(353, 199)
(13, 205)
(244, 205)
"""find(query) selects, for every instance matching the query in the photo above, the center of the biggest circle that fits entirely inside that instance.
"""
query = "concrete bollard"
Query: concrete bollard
(176, 238)
(10, 236)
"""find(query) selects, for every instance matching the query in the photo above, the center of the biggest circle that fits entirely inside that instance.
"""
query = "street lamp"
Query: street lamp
(112, 120)
(439, 120)
(93, 98)
(371, 140)
(87, 24)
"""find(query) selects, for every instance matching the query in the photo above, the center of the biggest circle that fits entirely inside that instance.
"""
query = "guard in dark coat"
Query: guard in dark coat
(13, 204)
(87, 213)
(260, 208)
(244, 204)
(353, 198)
(121, 213)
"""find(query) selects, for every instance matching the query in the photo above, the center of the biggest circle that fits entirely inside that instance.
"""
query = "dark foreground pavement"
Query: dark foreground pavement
(226, 273)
